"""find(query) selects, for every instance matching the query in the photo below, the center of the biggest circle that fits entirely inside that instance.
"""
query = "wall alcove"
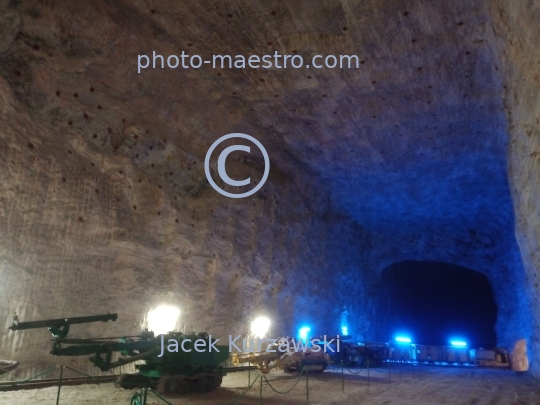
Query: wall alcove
(435, 302)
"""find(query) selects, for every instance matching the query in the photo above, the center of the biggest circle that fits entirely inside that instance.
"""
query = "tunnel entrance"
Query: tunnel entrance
(434, 302)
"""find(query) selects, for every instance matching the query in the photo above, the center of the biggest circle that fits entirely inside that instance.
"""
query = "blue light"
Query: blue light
(344, 330)
(403, 339)
(303, 333)
(458, 343)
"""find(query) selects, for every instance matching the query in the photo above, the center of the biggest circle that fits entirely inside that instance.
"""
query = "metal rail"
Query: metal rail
(54, 382)
(59, 327)
(62, 321)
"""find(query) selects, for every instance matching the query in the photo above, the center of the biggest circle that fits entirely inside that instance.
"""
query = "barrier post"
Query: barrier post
(249, 374)
(203, 382)
(260, 391)
(145, 395)
(342, 381)
(388, 364)
(307, 386)
(368, 372)
(60, 384)
(399, 371)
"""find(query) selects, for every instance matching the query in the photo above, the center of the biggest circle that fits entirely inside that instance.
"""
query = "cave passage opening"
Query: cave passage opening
(436, 302)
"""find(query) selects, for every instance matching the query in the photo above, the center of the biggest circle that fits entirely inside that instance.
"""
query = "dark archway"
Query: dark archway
(434, 302)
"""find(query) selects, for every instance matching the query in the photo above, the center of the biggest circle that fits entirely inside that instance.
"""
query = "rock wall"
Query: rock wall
(85, 234)
(517, 31)
(103, 207)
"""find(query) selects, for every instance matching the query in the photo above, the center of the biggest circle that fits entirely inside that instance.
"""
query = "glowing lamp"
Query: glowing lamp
(344, 331)
(163, 319)
(303, 333)
(458, 343)
(260, 326)
(403, 339)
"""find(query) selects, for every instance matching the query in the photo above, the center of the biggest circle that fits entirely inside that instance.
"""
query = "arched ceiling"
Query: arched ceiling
(415, 135)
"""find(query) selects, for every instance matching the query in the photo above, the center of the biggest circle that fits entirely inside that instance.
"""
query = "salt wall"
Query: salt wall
(517, 31)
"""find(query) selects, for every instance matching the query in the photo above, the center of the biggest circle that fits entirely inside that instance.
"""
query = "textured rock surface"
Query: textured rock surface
(104, 205)
(518, 32)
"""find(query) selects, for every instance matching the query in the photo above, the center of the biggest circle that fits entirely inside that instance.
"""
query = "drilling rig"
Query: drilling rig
(289, 361)
(188, 370)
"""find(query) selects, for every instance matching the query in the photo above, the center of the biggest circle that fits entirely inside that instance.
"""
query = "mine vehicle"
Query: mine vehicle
(289, 361)
(441, 355)
(351, 354)
(496, 358)
(191, 368)
(311, 361)
(451, 355)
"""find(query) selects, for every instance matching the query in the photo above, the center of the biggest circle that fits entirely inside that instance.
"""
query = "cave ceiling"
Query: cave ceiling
(414, 139)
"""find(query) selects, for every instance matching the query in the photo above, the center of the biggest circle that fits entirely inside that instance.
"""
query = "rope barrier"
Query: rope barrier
(80, 372)
(140, 397)
(60, 380)
(352, 372)
(245, 392)
(160, 397)
(15, 383)
(285, 392)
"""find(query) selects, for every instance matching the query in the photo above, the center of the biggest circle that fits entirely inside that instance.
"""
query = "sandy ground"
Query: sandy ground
(420, 385)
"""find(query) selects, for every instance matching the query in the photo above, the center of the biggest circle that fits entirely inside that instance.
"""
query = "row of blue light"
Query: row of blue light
(303, 332)
(406, 339)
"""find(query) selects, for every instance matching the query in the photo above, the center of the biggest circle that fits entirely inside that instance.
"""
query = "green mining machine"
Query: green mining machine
(193, 368)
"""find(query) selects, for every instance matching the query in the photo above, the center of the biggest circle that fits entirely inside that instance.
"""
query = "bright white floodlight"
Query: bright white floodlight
(260, 326)
(163, 319)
